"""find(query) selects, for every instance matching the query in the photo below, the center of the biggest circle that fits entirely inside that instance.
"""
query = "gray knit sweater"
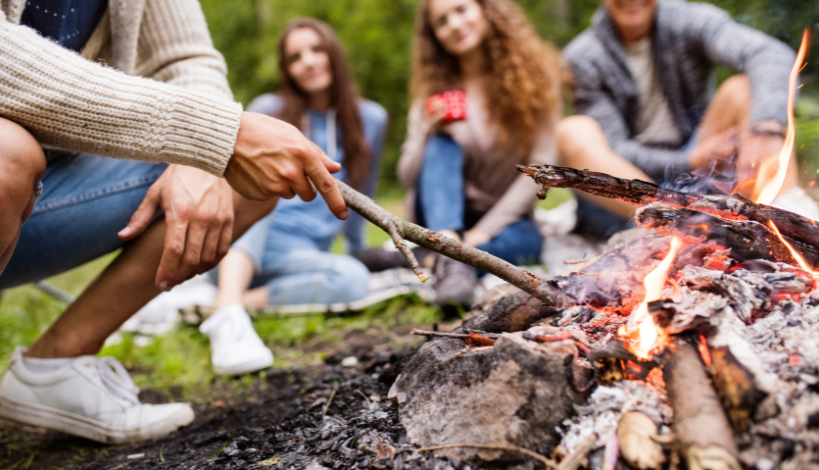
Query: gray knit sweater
(689, 40)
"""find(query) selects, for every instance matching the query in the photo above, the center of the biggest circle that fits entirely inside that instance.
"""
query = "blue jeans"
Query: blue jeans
(440, 204)
(297, 270)
(86, 200)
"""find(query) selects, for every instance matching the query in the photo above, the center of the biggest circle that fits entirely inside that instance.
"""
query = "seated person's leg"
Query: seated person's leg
(60, 228)
(518, 243)
(582, 144)
(298, 272)
(440, 201)
(235, 346)
(22, 164)
(725, 130)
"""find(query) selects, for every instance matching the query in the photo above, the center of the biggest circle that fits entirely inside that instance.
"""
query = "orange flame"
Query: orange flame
(794, 253)
(648, 336)
(766, 189)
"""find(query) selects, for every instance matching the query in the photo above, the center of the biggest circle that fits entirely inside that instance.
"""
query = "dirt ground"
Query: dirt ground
(333, 416)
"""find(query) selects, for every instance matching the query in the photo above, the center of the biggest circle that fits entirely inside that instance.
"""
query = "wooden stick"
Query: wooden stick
(401, 229)
(700, 425)
(747, 239)
(639, 192)
(577, 458)
(546, 461)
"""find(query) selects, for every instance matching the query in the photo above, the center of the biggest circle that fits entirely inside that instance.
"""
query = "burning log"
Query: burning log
(735, 385)
(700, 425)
(400, 230)
(638, 192)
(747, 239)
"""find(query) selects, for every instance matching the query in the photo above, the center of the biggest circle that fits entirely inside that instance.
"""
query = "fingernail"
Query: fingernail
(163, 285)
(345, 214)
(124, 232)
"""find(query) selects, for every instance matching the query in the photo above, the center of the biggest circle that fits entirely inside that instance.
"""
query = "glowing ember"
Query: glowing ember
(765, 190)
(643, 336)
(705, 353)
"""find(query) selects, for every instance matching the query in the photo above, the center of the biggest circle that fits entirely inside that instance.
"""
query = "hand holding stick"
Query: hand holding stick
(400, 230)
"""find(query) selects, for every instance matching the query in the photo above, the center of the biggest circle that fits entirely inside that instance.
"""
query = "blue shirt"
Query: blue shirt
(294, 219)
(68, 22)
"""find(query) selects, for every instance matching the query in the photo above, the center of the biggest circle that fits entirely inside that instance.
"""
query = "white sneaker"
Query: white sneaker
(161, 314)
(89, 397)
(798, 202)
(235, 346)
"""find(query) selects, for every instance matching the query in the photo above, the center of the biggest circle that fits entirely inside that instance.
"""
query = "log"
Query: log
(701, 428)
(638, 192)
(747, 239)
(400, 230)
(736, 387)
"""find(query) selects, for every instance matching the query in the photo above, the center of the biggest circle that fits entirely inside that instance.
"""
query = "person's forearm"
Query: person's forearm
(74, 104)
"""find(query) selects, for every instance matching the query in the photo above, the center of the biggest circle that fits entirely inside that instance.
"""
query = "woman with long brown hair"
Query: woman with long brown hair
(284, 258)
(460, 169)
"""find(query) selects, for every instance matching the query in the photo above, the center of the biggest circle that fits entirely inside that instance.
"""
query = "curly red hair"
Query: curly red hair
(524, 71)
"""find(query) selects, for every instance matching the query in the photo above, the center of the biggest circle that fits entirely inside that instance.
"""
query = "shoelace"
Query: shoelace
(116, 378)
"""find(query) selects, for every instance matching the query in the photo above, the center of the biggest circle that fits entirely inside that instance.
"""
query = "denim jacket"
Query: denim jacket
(294, 218)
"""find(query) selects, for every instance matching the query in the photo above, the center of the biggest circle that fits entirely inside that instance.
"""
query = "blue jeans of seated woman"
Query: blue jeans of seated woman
(296, 270)
(440, 204)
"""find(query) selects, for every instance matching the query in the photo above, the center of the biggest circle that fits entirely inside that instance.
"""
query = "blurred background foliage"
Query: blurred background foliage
(377, 35)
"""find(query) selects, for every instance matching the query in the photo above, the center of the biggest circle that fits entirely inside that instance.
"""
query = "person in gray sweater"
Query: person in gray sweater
(644, 94)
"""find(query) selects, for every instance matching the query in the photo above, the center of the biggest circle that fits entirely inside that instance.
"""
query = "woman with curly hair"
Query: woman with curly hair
(461, 174)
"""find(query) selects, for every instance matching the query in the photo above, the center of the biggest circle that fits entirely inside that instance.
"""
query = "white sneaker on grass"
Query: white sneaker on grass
(235, 347)
(88, 397)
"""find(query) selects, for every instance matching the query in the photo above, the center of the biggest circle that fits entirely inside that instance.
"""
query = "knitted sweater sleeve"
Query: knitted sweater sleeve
(766, 61)
(592, 100)
(412, 151)
(71, 103)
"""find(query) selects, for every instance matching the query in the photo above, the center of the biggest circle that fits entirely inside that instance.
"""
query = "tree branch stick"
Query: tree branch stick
(405, 230)
(642, 193)
(548, 462)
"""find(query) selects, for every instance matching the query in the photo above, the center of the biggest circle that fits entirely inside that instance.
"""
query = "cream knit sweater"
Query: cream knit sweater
(76, 103)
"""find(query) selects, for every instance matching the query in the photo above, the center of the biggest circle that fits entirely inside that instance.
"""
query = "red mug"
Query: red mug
(454, 102)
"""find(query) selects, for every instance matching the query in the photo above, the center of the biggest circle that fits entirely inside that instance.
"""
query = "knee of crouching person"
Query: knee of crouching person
(351, 280)
(22, 162)
(571, 132)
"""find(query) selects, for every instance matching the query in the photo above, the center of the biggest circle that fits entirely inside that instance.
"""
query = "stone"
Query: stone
(514, 393)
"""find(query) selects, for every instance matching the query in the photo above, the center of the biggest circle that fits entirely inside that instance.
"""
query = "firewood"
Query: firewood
(637, 434)
(400, 230)
(747, 239)
(700, 426)
(638, 192)
(736, 387)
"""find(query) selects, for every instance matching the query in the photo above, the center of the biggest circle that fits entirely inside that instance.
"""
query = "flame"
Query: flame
(766, 188)
(648, 336)
(799, 260)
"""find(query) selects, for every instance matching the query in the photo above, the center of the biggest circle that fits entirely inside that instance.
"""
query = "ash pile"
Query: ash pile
(690, 343)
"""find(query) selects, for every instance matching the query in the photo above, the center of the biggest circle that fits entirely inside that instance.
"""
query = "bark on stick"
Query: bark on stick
(700, 425)
(400, 230)
(639, 192)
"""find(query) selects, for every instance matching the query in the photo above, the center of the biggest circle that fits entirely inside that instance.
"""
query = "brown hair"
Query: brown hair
(343, 97)
(524, 71)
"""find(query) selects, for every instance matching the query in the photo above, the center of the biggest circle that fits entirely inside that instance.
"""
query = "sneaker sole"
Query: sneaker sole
(245, 367)
(76, 425)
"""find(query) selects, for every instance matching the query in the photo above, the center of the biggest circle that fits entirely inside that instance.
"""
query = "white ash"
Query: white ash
(607, 405)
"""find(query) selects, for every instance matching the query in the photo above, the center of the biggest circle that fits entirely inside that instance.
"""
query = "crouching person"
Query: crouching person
(642, 74)
(284, 259)
(173, 143)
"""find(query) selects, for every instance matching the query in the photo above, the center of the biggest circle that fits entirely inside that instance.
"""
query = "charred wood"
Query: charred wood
(736, 387)
(639, 192)
(746, 238)
(700, 426)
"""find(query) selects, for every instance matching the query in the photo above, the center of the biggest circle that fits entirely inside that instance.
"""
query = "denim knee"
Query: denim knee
(349, 281)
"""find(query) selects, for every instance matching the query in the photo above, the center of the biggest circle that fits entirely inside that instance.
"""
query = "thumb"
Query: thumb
(142, 216)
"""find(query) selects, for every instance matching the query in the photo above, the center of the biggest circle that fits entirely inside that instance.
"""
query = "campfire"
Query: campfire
(693, 339)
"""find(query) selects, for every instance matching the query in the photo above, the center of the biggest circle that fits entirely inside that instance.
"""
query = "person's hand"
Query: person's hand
(475, 237)
(435, 112)
(719, 148)
(272, 158)
(199, 215)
